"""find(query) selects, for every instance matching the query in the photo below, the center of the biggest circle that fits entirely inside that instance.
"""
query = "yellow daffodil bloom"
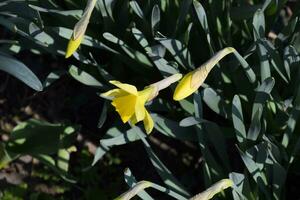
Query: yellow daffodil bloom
(80, 28)
(213, 190)
(194, 79)
(130, 103)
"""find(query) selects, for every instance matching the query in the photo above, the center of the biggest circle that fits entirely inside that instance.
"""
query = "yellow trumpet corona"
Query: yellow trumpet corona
(194, 79)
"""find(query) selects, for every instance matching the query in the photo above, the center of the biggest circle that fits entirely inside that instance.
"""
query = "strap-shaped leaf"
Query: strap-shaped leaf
(131, 181)
(84, 77)
(162, 170)
(179, 51)
(238, 119)
(255, 170)
(241, 189)
(132, 53)
(20, 71)
(136, 9)
(275, 58)
(215, 102)
(155, 19)
(262, 95)
(248, 70)
(155, 54)
(201, 14)
(172, 129)
(259, 24)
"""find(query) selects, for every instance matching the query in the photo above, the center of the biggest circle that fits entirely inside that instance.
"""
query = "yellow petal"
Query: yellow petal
(139, 109)
(114, 93)
(184, 89)
(73, 46)
(145, 94)
(148, 122)
(213, 190)
(126, 87)
(133, 120)
(143, 97)
(125, 106)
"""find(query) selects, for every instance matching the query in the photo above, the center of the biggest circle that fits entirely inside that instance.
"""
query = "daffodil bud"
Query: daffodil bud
(213, 190)
(80, 28)
(160, 85)
(134, 190)
(194, 79)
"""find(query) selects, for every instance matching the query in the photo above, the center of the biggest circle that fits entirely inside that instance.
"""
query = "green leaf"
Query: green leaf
(184, 10)
(136, 8)
(84, 77)
(106, 8)
(162, 170)
(243, 12)
(132, 53)
(217, 140)
(201, 15)
(172, 129)
(275, 58)
(262, 95)
(255, 126)
(131, 181)
(5, 156)
(189, 121)
(155, 54)
(155, 19)
(52, 77)
(255, 167)
(51, 163)
(73, 13)
(38, 137)
(198, 105)
(238, 119)
(265, 69)
(20, 71)
(290, 57)
(215, 102)
(119, 138)
(259, 24)
(179, 52)
(249, 72)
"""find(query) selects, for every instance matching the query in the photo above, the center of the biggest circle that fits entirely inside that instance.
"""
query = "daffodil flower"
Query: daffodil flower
(213, 190)
(80, 28)
(130, 103)
(194, 79)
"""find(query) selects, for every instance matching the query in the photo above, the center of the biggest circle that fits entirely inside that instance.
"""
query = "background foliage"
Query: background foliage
(243, 123)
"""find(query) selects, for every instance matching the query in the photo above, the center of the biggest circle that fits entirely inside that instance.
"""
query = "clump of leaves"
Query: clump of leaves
(244, 119)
